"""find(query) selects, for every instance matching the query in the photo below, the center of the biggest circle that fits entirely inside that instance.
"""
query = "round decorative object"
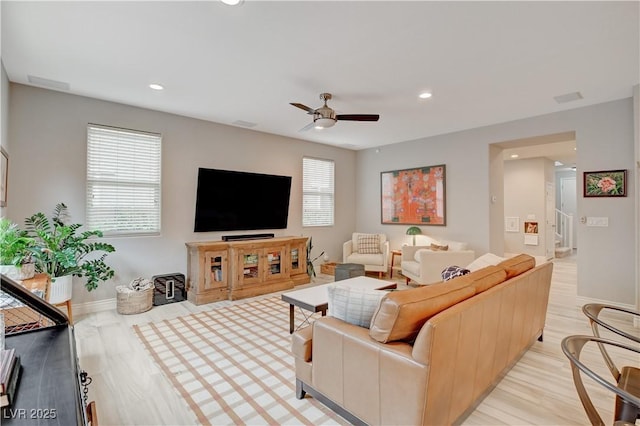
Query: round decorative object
(135, 298)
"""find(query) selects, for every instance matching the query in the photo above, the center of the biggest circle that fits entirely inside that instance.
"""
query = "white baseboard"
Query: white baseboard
(97, 306)
(581, 301)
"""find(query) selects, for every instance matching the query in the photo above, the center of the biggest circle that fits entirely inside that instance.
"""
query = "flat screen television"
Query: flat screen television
(233, 201)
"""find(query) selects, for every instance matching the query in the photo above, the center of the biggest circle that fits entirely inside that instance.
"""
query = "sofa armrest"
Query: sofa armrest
(347, 249)
(408, 252)
(302, 343)
(386, 251)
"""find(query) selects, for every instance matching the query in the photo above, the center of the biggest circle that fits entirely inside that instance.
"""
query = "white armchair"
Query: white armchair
(424, 266)
(370, 250)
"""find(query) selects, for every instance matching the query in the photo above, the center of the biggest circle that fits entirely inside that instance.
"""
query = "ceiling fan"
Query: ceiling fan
(325, 117)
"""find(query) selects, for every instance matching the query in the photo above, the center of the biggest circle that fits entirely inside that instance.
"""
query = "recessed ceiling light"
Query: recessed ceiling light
(425, 95)
(231, 2)
(514, 156)
(156, 86)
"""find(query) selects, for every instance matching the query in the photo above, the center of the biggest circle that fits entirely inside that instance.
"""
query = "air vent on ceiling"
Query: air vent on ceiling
(45, 82)
(243, 123)
(348, 146)
(568, 97)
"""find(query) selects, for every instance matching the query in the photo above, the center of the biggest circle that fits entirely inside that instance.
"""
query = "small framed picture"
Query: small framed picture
(608, 183)
(531, 227)
(512, 224)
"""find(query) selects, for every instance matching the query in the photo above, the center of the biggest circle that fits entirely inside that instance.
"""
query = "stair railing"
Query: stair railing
(564, 229)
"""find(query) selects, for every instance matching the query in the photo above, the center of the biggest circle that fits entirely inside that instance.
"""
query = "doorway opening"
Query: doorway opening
(536, 178)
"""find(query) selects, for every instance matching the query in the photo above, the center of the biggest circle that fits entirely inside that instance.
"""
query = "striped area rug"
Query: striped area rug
(233, 365)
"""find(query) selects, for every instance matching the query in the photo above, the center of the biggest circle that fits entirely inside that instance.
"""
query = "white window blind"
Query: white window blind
(123, 181)
(317, 192)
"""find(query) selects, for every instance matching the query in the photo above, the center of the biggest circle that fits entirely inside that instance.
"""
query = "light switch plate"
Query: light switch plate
(597, 221)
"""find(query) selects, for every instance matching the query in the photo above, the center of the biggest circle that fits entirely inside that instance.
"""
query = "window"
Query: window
(123, 181)
(317, 192)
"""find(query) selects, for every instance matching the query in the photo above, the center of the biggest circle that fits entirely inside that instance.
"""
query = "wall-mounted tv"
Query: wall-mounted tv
(234, 201)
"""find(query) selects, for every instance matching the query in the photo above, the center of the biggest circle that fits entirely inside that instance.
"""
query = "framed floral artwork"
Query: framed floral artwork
(608, 183)
(414, 196)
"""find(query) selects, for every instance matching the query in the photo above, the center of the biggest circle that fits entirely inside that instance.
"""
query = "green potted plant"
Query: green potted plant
(15, 254)
(62, 251)
(311, 271)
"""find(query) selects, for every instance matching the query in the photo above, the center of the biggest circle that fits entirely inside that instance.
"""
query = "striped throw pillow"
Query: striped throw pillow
(353, 305)
(369, 244)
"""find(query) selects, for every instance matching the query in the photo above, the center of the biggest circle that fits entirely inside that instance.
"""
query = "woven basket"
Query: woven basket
(133, 302)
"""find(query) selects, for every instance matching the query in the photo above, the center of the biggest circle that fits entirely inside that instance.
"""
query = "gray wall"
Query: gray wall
(605, 141)
(48, 138)
(524, 198)
(48, 165)
(4, 115)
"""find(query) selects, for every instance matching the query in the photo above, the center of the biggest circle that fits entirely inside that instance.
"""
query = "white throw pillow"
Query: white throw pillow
(483, 261)
(353, 305)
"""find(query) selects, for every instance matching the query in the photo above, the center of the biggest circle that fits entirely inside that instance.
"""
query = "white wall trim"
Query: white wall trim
(581, 301)
(91, 307)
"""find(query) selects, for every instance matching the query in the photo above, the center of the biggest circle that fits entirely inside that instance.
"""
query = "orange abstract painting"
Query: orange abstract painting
(414, 196)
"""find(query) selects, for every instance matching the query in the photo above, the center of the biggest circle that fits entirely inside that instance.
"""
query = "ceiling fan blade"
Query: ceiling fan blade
(358, 117)
(307, 127)
(304, 107)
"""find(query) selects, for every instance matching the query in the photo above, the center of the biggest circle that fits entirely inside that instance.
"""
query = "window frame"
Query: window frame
(319, 193)
(154, 185)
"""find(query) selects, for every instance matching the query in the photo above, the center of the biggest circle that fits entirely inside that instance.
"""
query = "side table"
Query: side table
(395, 253)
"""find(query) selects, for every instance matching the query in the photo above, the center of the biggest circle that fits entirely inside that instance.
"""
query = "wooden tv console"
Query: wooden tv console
(222, 270)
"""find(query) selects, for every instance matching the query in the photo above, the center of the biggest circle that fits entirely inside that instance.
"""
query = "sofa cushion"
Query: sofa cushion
(438, 247)
(369, 244)
(487, 277)
(353, 305)
(518, 264)
(402, 313)
(486, 259)
(365, 259)
(455, 245)
(451, 272)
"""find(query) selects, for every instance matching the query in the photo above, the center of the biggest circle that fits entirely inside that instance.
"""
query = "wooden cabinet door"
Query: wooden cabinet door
(216, 270)
(250, 266)
(275, 262)
(298, 258)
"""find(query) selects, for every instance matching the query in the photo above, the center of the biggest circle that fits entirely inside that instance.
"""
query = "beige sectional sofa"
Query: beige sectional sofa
(431, 353)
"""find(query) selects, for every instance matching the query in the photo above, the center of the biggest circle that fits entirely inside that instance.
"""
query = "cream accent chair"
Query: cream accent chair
(378, 262)
(424, 266)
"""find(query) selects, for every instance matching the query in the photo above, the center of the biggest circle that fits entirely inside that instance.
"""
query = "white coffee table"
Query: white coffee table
(316, 299)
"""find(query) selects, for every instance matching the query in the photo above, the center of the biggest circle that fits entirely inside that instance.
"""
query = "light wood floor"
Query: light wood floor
(130, 390)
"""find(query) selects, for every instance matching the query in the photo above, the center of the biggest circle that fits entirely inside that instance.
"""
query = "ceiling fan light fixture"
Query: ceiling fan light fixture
(324, 123)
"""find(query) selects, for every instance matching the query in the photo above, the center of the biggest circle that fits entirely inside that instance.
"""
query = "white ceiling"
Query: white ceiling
(485, 62)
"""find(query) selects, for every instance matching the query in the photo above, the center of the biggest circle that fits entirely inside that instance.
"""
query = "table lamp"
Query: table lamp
(414, 230)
